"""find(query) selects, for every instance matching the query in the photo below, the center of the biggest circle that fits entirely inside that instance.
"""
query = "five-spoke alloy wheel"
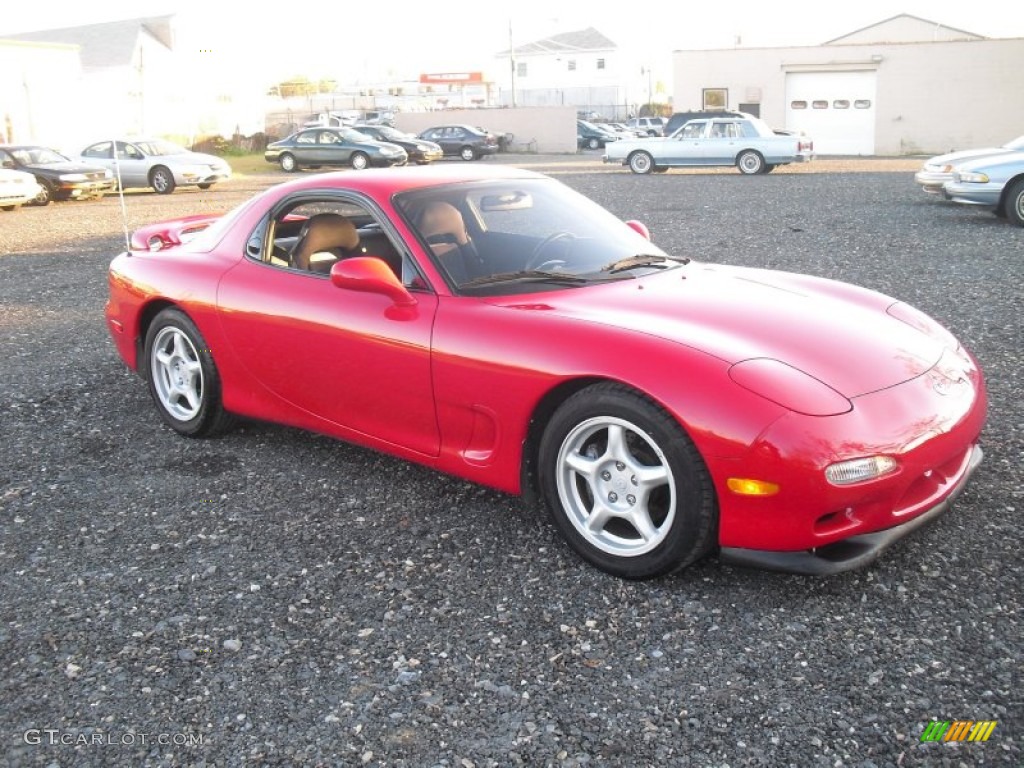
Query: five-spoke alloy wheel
(625, 484)
(182, 376)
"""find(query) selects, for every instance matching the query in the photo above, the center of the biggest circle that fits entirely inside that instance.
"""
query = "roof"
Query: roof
(904, 28)
(111, 44)
(580, 41)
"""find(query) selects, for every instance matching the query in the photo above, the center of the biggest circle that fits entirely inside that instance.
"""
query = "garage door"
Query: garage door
(836, 109)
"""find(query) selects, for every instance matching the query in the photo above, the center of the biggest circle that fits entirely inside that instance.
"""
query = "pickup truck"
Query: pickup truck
(746, 142)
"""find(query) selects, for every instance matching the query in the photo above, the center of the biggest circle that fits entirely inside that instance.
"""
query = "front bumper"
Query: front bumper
(854, 552)
(74, 189)
(932, 181)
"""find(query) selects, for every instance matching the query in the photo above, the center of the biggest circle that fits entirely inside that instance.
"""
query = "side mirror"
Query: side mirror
(640, 228)
(370, 275)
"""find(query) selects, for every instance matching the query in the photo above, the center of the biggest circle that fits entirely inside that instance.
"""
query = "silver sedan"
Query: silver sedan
(938, 170)
(993, 182)
(156, 163)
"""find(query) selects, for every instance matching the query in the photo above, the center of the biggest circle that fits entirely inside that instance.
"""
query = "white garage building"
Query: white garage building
(903, 86)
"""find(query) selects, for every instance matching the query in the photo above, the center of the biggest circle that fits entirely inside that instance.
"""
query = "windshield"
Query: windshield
(160, 147)
(391, 133)
(524, 235)
(36, 156)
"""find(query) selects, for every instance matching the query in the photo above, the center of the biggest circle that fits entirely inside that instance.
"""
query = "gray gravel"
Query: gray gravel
(290, 600)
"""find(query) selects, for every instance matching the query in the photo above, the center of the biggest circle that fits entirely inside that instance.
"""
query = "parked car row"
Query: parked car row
(103, 167)
(992, 177)
(366, 145)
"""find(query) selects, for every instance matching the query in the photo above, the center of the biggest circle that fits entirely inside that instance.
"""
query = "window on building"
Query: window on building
(600, 63)
(798, 105)
(819, 104)
(521, 69)
(841, 104)
(572, 65)
(862, 104)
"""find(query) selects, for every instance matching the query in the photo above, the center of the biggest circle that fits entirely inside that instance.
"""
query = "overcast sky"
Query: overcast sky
(403, 38)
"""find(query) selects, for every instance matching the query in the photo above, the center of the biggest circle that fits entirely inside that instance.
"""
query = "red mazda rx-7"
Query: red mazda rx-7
(496, 325)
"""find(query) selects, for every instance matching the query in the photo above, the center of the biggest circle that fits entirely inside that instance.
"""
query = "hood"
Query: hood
(838, 333)
(938, 163)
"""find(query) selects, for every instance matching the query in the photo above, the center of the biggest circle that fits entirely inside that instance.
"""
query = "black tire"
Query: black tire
(359, 161)
(661, 169)
(288, 162)
(46, 193)
(593, 143)
(769, 168)
(204, 186)
(467, 153)
(162, 180)
(641, 162)
(1013, 205)
(615, 430)
(182, 376)
(10, 207)
(750, 162)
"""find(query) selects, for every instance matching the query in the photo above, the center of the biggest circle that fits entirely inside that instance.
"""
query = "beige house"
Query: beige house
(903, 86)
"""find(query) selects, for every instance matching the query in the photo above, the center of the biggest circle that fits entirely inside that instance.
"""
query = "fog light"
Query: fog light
(860, 470)
(744, 486)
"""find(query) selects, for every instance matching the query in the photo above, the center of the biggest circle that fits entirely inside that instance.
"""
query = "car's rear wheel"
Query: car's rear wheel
(359, 161)
(641, 162)
(625, 485)
(45, 196)
(593, 143)
(769, 168)
(467, 153)
(661, 169)
(1014, 204)
(750, 162)
(204, 186)
(288, 163)
(183, 377)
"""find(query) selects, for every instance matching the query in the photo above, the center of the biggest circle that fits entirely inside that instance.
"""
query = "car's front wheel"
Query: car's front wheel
(183, 377)
(467, 153)
(750, 162)
(162, 180)
(1014, 205)
(593, 143)
(625, 485)
(359, 161)
(641, 162)
(45, 196)
(287, 163)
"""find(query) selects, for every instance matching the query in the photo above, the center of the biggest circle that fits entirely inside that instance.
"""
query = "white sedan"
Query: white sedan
(17, 188)
(938, 170)
(156, 163)
(746, 142)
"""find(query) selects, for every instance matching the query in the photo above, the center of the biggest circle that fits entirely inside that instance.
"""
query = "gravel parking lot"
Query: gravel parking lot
(278, 598)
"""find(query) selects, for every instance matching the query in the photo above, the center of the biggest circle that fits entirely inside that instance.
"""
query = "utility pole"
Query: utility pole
(512, 61)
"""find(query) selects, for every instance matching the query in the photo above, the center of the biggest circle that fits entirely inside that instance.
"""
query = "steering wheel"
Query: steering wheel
(539, 258)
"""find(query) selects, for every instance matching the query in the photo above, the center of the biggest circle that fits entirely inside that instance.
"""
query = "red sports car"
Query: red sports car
(498, 326)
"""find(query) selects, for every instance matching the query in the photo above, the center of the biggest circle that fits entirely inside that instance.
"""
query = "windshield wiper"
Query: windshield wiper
(642, 260)
(531, 275)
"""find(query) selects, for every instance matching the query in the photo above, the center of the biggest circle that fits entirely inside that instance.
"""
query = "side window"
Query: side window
(328, 137)
(307, 137)
(126, 151)
(693, 130)
(6, 160)
(313, 234)
(101, 150)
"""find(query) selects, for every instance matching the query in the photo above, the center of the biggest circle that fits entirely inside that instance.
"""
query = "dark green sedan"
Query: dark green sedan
(317, 147)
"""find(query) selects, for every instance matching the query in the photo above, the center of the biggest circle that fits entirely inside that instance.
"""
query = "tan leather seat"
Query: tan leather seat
(324, 233)
(442, 226)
